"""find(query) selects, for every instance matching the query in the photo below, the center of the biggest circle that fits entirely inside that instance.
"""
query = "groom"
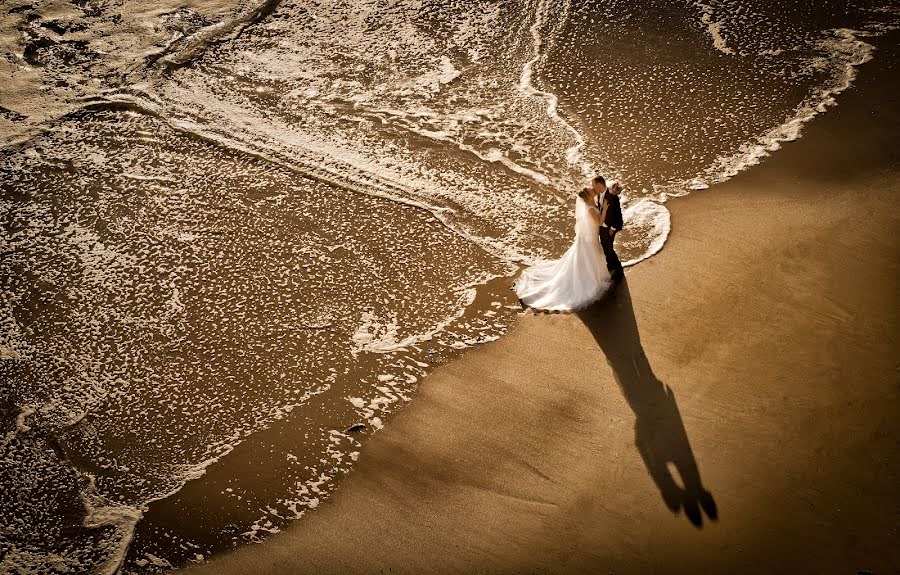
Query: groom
(609, 198)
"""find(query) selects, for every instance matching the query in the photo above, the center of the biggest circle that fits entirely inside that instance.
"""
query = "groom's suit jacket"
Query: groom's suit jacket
(613, 212)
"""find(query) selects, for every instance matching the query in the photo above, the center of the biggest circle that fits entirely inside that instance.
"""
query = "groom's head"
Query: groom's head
(599, 184)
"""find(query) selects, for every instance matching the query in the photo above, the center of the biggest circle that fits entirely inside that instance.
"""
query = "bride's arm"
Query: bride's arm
(601, 217)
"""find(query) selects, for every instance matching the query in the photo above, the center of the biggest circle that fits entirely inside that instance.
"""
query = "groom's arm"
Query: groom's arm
(618, 208)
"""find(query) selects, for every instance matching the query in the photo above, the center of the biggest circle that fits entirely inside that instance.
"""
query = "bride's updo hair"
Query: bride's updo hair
(585, 194)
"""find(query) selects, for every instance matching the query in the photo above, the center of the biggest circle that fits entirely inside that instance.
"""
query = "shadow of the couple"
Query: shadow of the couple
(660, 435)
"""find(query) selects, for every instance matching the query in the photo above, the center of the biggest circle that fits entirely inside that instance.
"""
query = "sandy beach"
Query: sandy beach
(255, 271)
(731, 408)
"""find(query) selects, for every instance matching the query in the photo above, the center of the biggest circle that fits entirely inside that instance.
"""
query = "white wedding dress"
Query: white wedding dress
(575, 280)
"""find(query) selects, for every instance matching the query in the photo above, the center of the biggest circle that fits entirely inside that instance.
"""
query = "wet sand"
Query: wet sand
(732, 407)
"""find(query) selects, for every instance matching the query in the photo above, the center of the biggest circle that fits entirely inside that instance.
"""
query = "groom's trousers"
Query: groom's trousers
(606, 242)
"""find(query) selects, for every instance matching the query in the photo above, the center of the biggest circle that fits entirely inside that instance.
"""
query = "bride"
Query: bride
(579, 277)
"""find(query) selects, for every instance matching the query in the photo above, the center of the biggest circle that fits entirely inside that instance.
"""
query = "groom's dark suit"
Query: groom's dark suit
(613, 221)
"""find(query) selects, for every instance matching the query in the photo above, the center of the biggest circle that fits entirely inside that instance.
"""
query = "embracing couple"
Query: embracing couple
(590, 265)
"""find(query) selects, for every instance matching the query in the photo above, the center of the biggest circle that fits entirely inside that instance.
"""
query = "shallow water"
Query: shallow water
(232, 232)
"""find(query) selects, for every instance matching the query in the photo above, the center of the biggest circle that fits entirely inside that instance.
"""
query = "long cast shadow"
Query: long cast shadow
(659, 432)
